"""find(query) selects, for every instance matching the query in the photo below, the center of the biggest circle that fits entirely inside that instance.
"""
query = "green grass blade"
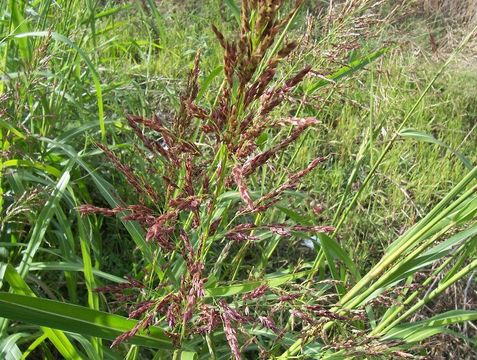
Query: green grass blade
(67, 245)
(247, 286)
(158, 23)
(76, 319)
(41, 225)
(390, 143)
(421, 330)
(347, 70)
(232, 5)
(337, 252)
(17, 163)
(19, 286)
(8, 347)
(38, 341)
(20, 25)
(10, 127)
(434, 293)
(89, 347)
(208, 80)
(88, 270)
(421, 136)
(78, 267)
(87, 60)
(108, 193)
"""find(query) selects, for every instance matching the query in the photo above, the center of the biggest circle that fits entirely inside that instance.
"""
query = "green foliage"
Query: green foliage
(398, 183)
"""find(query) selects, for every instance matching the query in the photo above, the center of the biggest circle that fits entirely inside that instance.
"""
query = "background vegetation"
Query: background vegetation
(398, 130)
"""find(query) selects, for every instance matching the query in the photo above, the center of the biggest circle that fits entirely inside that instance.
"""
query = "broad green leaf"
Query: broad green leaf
(418, 331)
(421, 136)
(430, 256)
(189, 355)
(450, 317)
(18, 25)
(31, 164)
(19, 286)
(77, 319)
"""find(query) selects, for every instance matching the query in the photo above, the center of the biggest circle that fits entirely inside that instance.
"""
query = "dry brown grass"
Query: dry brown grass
(447, 22)
(462, 11)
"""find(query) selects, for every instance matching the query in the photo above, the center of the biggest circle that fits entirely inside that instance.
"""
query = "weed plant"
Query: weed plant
(242, 219)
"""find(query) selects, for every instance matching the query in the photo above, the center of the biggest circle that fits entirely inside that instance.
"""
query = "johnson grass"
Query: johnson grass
(263, 179)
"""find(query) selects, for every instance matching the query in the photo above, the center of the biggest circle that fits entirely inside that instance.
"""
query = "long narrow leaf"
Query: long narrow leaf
(87, 60)
(19, 286)
(421, 136)
(77, 319)
(42, 222)
(348, 69)
(247, 286)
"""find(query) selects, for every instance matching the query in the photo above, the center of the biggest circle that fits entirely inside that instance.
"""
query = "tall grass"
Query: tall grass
(226, 252)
